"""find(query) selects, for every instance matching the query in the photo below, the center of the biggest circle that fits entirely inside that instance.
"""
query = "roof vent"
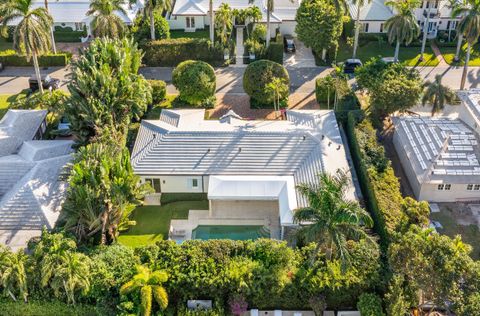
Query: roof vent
(229, 116)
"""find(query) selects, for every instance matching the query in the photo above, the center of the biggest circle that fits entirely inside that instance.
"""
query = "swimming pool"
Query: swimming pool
(234, 232)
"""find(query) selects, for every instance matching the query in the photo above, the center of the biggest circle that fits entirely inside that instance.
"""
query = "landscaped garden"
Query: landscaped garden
(153, 222)
(408, 55)
(197, 34)
(449, 55)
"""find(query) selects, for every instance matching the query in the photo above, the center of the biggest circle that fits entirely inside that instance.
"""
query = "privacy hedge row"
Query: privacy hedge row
(177, 197)
(171, 52)
(35, 308)
(380, 187)
(11, 58)
(275, 52)
(68, 37)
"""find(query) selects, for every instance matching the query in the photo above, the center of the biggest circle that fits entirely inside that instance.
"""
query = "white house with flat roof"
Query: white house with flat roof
(249, 169)
(191, 15)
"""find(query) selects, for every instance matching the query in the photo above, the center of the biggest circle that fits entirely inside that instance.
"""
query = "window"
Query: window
(427, 5)
(154, 183)
(190, 22)
(476, 187)
(194, 183)
(444, 187)
(436, 4)
(365, 27)
(79, 26)
(381, 27)
(469, 187)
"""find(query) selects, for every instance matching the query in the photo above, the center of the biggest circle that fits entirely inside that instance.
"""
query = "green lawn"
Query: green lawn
(4, 104)
(449, 53)
(197, 34)
(409, 55)
(153, 222)
(470, 234)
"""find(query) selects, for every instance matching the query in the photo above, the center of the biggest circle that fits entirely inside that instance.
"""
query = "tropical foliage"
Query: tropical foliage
(142, 29)
(331, 219)
(13, 276)
(102, 193)
(106, 89)
(153, 9)
(31, 35)
(106, 22)
(403, 27)
(148, 285)
(224, 23)
(437, 95)
(319, 26)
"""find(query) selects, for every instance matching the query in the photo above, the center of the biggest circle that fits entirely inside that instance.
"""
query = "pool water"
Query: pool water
(233, 232)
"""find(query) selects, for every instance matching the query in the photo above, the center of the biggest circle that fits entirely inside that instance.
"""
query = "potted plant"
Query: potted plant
(251, 55)
(226, 54)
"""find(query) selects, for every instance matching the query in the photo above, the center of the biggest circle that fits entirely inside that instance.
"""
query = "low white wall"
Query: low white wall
(457, 192)
(179, 23)
(374, 26)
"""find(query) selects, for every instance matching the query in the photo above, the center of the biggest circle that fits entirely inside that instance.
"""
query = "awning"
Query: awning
(259, 188)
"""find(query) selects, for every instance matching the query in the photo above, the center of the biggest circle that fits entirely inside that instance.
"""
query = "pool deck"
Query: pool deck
(234, 213)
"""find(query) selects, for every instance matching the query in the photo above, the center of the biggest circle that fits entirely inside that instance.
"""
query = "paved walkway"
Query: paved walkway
(438, 55)
(240, 49)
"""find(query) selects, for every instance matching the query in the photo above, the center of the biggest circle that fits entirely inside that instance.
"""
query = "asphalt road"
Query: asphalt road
(229, 79)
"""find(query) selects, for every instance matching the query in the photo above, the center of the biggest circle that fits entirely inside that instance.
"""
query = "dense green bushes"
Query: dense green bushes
(256, 77)
(159, 90)
(176, 197)
(141, 28)
(44, 308)
(275, 52)
(171, 52)
(68, 35)
(196, 82)
(11, 58)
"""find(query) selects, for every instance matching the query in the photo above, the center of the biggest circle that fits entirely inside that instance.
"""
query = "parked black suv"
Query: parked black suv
(47, 83)
(288, 44)
(350, 65)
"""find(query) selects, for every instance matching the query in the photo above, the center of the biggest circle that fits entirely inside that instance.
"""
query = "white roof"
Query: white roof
(283, 10)
(182, 142)
(17, 126)
(74, 11)
(440, 149)
(376, 10)
(257, 188)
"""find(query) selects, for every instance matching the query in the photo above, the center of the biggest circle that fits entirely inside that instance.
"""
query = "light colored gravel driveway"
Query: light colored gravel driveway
(302, 58)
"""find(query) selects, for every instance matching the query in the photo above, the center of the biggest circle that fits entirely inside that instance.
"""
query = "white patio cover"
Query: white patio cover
(264, 188)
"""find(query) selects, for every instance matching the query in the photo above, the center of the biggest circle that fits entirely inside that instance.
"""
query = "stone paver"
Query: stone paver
(438, 55)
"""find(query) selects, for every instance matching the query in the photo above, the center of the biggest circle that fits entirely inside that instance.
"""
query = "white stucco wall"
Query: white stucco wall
(457, 192)
(403, 156)
(180, 184)
(179, 23)
(374, 26)
(288, 28)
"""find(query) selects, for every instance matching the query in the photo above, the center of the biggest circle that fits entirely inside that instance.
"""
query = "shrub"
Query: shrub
(275, 52)
(55, 308)
(159, 90)
(141, 30)
(254, 46)
(256, 77)
(171, 52)
(370, 305)
(176, 197)
(11, 58)
(326, 87)
(259, 33)
(195, 81)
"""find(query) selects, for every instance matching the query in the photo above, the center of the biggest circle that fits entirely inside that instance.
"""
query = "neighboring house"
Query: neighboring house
(30, 190)
(374, 14)
(191, 15)
(72, 13)
(248, 168)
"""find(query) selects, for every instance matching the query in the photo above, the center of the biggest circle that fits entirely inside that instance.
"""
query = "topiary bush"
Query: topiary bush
(159, 90)
(195, 81)
(257, 75)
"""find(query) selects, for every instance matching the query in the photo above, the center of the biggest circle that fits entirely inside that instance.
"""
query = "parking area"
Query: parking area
(302, 58)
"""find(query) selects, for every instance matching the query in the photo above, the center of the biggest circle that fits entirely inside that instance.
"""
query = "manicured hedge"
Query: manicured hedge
(195, 80)
(10, 58)
(36, 308)
(68, 37)
(178, 197)
(171, 52)
(275, 52)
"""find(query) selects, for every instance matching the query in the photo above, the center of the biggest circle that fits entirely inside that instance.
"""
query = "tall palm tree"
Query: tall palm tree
(454, 5)
(276, 88)
(151, 6)
(437, 95)
(31, 35)
(403, 26)
(13, 277)
(270, 7)
(54, 47)
(425, 30)
(148, 284)
(106, 23)
(254, 14)
(224, 22)
(330, 219)
(360, 4)
(212, 22)
(469, 27)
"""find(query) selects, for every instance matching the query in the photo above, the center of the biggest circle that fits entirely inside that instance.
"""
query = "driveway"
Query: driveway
(302, 58)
